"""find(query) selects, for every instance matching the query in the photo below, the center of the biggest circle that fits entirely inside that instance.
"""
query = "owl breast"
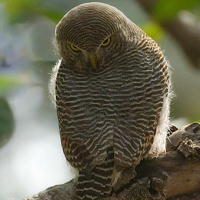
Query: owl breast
(117, 108)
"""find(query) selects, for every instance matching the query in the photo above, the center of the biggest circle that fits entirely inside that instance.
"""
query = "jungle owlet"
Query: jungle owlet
(111, 89)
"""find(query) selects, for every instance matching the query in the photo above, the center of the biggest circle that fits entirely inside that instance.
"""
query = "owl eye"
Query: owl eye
(106, 42)
(73, 47)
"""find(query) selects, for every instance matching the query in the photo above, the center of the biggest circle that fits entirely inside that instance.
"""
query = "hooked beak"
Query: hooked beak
(93, 60)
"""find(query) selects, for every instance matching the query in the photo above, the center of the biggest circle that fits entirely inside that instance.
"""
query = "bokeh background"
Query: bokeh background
(31, 157)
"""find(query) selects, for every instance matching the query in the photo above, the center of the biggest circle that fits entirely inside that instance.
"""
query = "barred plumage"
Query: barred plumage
(110, 117)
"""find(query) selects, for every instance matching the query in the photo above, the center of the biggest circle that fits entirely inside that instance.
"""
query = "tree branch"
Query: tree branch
(175, 173)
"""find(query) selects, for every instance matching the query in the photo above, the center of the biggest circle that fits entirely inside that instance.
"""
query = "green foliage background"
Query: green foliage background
(27, 57)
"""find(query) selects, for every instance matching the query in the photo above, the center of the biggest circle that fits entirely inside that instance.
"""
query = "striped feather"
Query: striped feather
(108, 118)
(96, 183)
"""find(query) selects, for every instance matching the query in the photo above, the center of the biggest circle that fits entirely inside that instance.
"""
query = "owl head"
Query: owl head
(91, 37)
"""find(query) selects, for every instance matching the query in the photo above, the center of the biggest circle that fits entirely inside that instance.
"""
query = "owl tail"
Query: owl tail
(97, 183)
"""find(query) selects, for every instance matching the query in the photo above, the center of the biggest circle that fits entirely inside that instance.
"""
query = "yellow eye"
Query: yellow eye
(106, 42)
(73, 47)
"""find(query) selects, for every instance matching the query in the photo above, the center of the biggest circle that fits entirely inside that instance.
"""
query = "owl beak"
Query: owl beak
(93, 61)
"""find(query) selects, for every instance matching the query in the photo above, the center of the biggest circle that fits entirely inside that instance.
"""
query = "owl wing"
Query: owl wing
(148, 88)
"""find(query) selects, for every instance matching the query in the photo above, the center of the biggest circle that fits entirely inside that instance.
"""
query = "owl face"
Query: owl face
(90, 41)
(94, 59)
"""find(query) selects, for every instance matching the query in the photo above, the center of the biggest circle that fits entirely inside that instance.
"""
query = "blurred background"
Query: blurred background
(31, 157)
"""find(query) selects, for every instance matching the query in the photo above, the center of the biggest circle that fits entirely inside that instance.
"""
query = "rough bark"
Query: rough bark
(185, 32)
(172, 176)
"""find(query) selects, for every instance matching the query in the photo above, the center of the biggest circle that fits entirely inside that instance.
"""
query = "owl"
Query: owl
(111, 89)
